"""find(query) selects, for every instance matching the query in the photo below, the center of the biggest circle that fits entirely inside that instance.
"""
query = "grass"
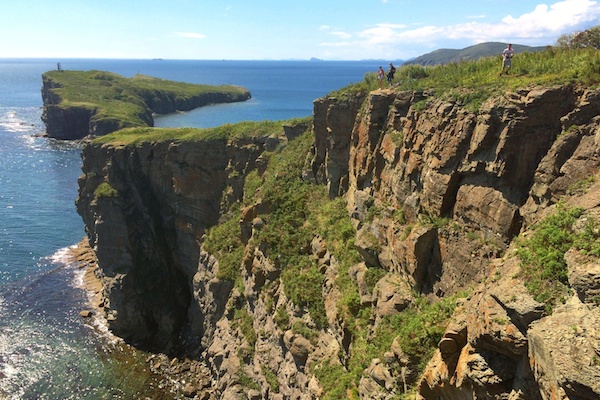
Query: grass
(127, 102)
(417, 331)
(223, 241)
(137, 136)
(543, 264)
(286, 236)
(472, 82)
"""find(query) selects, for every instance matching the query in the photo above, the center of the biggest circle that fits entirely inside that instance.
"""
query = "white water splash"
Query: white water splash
(10, 122)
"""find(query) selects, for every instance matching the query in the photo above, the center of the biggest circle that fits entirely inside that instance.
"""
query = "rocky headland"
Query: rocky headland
(78, 104)
(379, 250)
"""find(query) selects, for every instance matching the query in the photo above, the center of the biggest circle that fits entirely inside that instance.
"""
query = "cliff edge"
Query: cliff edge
(385, 248)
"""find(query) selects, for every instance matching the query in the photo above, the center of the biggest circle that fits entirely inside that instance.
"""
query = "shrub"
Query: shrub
(105, 190)
(588, 240)
(417, 329)
(543, 264)
(223, 241)
(589, 38)
(244, 322)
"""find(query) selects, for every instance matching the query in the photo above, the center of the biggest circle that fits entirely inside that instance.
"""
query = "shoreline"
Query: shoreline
(174, 377)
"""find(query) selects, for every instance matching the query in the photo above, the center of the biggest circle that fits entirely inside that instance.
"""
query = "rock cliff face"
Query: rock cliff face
(466, 185)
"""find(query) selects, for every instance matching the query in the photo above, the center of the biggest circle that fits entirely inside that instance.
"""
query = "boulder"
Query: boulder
(564, 350)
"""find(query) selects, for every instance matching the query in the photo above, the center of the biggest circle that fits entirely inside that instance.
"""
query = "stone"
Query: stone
(564, 352)
(392, 294)
(189, 390)
(584, 276)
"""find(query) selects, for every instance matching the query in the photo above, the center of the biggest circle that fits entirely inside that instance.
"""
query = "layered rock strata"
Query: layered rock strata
(437, 195)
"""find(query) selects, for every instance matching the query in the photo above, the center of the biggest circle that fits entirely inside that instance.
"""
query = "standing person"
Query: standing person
(380, 75)
(507, 56)
(391, 72)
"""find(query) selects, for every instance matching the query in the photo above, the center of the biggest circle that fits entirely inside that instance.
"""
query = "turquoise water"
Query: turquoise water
(46, 350)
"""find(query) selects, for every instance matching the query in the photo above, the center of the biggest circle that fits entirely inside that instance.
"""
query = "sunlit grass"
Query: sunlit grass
(136, 136)
(480, 79)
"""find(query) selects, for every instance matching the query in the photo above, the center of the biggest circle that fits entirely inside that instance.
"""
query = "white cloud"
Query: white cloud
(337, 33)
(341, 34)
(558, 17)
(382, 33)
(540, 27)
(190, 35)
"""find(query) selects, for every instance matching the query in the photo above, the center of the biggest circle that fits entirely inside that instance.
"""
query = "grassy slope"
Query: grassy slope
(472, 82)
(116, 97)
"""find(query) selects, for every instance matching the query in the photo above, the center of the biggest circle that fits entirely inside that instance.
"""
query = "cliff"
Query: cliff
(82, 103)
(385, 251)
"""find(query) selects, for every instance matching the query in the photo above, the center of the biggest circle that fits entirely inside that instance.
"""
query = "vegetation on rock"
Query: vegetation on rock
(542, 254)
(139, 135)
(105, 190)
(299, 210)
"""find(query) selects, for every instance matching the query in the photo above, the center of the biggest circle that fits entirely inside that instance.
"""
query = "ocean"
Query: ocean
(46, 350)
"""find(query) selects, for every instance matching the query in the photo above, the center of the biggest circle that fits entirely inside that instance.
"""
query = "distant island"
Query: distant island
(83, 103)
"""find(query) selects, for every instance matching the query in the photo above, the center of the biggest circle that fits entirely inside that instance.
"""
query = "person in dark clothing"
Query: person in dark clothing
(390, 74)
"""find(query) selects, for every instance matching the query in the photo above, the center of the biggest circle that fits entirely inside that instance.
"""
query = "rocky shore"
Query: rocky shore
(173, 377)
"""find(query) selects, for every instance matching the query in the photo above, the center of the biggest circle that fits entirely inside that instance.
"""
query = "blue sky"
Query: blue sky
(279, 29)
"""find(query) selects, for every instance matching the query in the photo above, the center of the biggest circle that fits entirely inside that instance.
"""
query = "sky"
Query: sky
(279, 29)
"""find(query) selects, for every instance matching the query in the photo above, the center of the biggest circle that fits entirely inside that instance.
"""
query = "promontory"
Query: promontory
(83, 103)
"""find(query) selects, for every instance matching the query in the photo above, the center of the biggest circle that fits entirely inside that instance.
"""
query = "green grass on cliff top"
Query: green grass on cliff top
(553, 66)
(136, 136)
(124, 99)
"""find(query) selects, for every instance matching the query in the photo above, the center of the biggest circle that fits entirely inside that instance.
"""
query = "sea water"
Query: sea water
(46, 350)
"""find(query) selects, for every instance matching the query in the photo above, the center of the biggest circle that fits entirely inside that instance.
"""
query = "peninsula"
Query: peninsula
(83, 103)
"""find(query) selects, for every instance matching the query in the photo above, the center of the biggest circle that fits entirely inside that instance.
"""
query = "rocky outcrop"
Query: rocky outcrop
(492, 173)
(146, 232)
(84, 117)
(437, 195)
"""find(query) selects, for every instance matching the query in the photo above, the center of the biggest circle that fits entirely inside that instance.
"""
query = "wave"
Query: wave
(11, 121)
(45, 346)
(96, 321)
